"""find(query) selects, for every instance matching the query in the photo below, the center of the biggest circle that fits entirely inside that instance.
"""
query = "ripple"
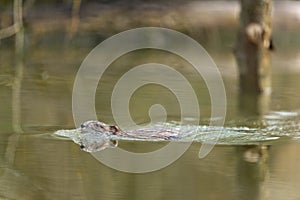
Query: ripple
(278, 126)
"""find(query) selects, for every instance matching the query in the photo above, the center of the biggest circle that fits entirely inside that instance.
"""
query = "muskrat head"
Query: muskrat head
(95, 126)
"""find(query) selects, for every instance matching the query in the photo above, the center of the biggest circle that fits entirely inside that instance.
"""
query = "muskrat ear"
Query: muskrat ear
(114, 129)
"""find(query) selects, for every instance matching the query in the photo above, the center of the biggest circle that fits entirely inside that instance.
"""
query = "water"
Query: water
(257, 158)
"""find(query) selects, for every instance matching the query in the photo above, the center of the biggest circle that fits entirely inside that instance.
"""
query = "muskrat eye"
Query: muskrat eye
(82, 125)
(98, 125)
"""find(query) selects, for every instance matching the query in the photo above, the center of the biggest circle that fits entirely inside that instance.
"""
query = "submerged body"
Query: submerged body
(93, 136)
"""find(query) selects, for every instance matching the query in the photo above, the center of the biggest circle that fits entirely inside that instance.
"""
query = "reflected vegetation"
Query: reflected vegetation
(38, 64)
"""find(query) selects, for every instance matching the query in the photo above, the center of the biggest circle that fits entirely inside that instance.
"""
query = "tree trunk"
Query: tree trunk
(253, 46)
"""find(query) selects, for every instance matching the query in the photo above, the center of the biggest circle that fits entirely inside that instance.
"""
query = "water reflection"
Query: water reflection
(253, 170)
(58, 169)
(254, 104)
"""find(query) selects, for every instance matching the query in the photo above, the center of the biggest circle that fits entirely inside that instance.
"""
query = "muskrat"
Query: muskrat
(160, 132)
